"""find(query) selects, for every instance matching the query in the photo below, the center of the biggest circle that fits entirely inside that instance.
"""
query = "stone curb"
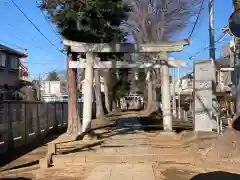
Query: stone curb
(116, 159)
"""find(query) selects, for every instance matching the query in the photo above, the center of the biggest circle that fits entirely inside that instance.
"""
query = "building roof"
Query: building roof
(188, 76)
(12, 51)
(220, 62)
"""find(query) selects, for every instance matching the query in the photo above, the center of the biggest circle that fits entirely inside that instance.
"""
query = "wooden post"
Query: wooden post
(55, 117)
(38, 133)
(73, 124)
(62, 106)
(25, 124)
(47, 128)
(10, 128)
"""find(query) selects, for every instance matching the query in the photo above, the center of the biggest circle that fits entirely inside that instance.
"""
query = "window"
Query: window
(2, 60)
(14, 62)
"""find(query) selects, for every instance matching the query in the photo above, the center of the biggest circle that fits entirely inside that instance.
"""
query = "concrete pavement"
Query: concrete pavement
(127, 153)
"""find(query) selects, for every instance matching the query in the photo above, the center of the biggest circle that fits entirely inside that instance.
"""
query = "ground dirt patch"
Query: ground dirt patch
(224, 146)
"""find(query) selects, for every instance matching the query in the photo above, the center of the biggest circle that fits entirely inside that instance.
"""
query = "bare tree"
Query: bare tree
(154, 21)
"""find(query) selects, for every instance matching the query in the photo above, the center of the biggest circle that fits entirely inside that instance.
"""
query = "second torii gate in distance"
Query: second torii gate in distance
(90, 63)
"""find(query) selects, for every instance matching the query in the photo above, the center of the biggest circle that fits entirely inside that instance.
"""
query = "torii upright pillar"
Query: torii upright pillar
(91, 49)
(88, 92)
(165, 93)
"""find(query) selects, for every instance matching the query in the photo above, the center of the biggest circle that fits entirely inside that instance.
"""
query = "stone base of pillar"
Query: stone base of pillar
(91, 136)
(167, 133)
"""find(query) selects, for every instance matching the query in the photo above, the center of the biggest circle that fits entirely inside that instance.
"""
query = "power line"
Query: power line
(195, 24)
(208, 47)
(35, 26)
(55, 32)
(20, 39)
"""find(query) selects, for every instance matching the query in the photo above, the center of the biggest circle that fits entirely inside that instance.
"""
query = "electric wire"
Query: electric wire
(208, 47)
(197, 19)
(24, 14)
(55, 32)
(23, 40)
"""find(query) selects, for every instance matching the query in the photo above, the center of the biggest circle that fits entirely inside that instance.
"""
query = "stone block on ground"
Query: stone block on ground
(100, 158)
(139, 158)
(122, 171)
(60, 160)
(134, 150)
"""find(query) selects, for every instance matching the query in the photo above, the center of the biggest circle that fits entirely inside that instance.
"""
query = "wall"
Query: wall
(9, 77)
(24, 122)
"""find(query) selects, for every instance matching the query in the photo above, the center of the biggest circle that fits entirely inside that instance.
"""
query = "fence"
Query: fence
(22, 122)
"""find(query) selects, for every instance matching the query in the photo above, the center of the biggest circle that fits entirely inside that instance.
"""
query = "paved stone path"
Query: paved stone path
(122, 171)
(128, 133)
(132, 146)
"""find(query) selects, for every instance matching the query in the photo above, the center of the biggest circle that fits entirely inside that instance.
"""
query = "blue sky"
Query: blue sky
(43, 57)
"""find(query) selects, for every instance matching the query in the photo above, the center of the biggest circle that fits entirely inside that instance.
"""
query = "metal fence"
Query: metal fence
(22, 122)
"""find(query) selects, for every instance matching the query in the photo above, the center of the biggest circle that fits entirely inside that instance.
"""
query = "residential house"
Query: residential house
(223, 79)
(23, 72)
(185, 86)
(9, 68)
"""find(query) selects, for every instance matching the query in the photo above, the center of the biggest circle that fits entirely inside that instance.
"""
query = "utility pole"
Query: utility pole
(39, 86)
(174, 95)
(236, 63)
(211, 30)
(215, 115)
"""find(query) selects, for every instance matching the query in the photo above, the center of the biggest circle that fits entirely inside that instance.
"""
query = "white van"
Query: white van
(132, 102)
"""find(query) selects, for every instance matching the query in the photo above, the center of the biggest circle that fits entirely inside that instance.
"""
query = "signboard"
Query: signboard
(234, 23)
(203, 96)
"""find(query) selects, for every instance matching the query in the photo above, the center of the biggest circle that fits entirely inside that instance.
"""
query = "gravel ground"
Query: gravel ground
(225, 146)
(60, 172)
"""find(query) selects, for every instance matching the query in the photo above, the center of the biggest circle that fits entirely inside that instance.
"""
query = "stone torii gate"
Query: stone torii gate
(92, 62)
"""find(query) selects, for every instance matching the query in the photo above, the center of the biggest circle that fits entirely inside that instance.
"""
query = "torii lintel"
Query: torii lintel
(174, 46)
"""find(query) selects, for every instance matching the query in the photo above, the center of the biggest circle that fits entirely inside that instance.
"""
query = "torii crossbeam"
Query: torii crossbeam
(91, 49)
(81, 64)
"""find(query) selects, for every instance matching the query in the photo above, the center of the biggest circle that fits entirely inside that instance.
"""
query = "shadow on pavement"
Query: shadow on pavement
(216, 175)
(22, 150)
(18, 178)
(81, 149)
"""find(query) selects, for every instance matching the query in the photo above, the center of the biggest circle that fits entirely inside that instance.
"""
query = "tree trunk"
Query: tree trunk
(150, 95)
(74, 124)
(118, 102)
(150, 92)
(114, 101)
(106, 90)
(112, 92)
(155, 102)
(99, 104)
